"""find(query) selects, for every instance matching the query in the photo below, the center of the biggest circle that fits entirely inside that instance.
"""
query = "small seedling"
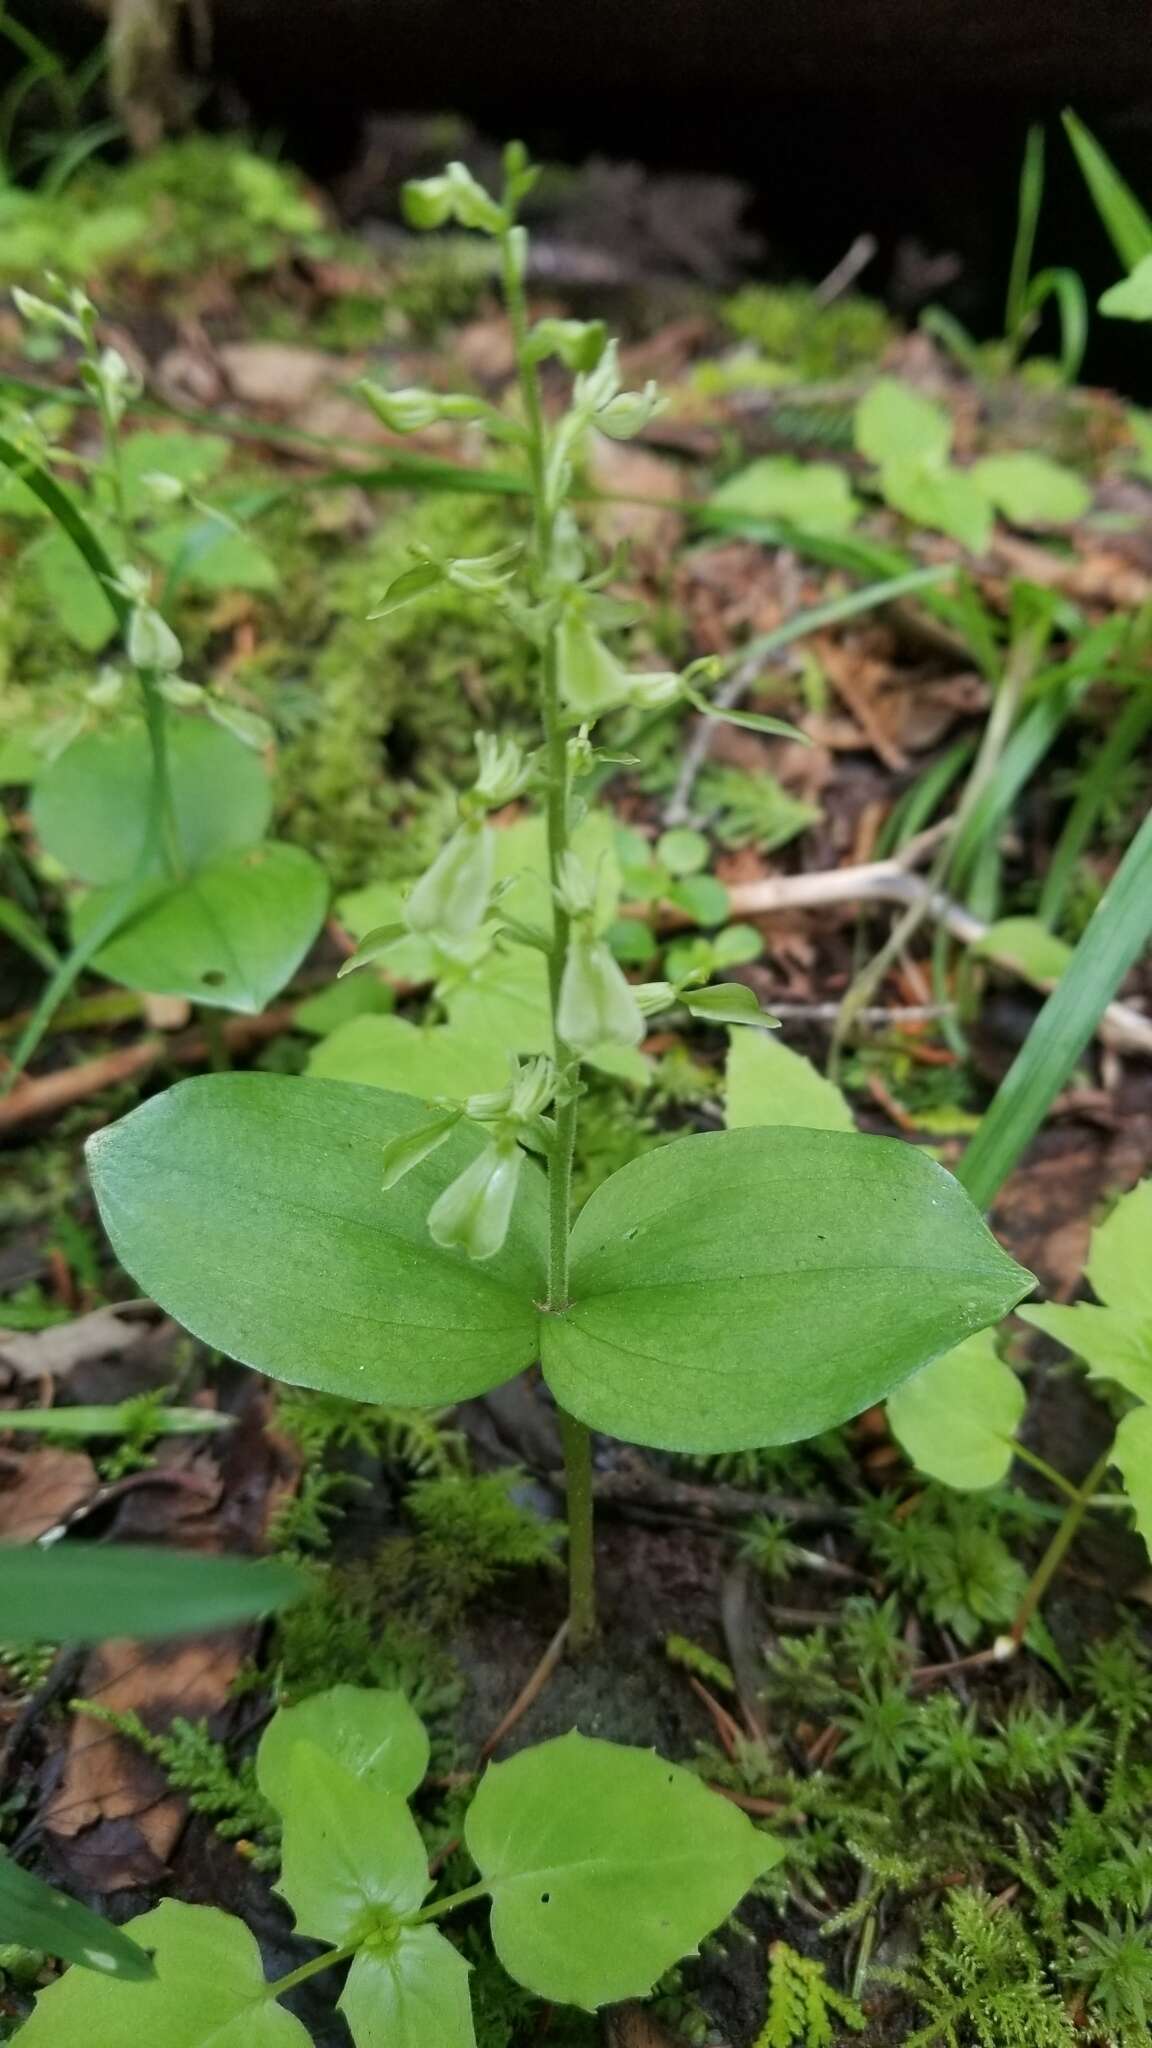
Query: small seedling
(603, 1865)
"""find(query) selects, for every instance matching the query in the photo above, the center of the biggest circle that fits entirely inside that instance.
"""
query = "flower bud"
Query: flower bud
(151, 642)
(597, 1005)
(452, 896)
(406, 411)
(590, 677)
(475, 1210)
(164, 489)
(575, 889)
(502, 772)
(628, 413)
(107, 687)
(412, 1148)
(656, 691)
(183, 695)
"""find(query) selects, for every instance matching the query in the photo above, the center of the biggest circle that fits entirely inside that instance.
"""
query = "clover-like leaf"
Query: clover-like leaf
(374, 1734)
(605, 1865)
(757, 1286)
(209, 1991)
(250, 1207)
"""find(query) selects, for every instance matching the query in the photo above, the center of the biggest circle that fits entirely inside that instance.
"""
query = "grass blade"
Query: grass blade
(1116, 936)
(1129, 227)
(82, 1592)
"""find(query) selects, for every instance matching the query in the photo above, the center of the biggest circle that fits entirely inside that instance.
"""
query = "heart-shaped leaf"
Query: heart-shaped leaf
(90, 809)
(375, 1735)
(230, 937)
(208, 1992)
(250, 1207)
(756, 1286)
(353, 1861)
(606, 1865)
(410, 1992)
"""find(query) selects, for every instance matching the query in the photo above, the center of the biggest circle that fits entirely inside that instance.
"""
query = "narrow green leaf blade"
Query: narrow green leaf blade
(412, 1994)
(250, 1207)
(208, 1992)
(352, 1852)
(1128, 225)
(1117, 934)
(375, 1735)
(80, 1592)
(229, 938)
(606, 1865)
(757, 1286)
(957, 1418)
(38, 1917)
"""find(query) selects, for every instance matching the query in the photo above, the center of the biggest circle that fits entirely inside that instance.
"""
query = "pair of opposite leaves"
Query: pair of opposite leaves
(604, 1864)
(729, 1290)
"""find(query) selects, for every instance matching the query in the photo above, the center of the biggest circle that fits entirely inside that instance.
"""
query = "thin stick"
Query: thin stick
(529, 1692)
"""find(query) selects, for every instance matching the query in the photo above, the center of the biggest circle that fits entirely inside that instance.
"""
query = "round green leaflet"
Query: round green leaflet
(229, 937)
(606, 1865)
(375, 1735)
(90, 808)
(757, 1286)
(251, 1207)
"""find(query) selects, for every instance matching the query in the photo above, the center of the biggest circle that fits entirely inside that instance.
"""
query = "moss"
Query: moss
(817, 343)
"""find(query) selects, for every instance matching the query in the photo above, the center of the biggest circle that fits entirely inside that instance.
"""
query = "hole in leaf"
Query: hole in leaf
(214, 978)
(545, 1898)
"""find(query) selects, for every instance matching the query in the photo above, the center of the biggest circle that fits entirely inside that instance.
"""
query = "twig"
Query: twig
(844, 275)
(48, 1093)
(889, 881)
(528, 1693)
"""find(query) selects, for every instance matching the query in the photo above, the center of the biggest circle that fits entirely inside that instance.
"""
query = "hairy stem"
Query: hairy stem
(576, 1438)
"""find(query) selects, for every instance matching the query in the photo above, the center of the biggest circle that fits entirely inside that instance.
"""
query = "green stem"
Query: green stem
(449, 1905)
(1046, 1471)
(327, 1961)
(576, 1438)
(1054, 1556)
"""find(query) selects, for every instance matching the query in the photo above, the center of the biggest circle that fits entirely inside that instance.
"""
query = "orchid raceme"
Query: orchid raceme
(726, 1290)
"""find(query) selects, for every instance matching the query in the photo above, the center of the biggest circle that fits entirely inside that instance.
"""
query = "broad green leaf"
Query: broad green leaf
(90, 809)
(705, 900)
(375, 1735)
(381, 903)
(503, 1001)
(605, 1865)
(37, 1917)
(1113, 1344)
(522, 861)
(682, 850)
(752, 1287)
(1031, 490)
(946, 499)
(250, 1207)
(80, 1592)
(1131, 299)
(193, 459)
(230, 937)
(359, 995)
(894, 423)
(410, 1991)
(815, 496)
(768, 1083)
(1120, 1257)
(76, 597)
(352, 1856)
(207, 552)
(1132, 1455)
(957, 1418)
(1027, 945)
(208, 1992)
(411, 1059)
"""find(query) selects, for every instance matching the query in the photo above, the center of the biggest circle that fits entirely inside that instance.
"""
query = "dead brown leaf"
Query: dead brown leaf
(58, 1350)
(629, 2026)
(634, 473)
(44, 1488)
(278, 374)
(113, 1808)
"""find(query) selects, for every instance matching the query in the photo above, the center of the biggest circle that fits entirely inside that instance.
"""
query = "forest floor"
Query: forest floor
(794, 1622)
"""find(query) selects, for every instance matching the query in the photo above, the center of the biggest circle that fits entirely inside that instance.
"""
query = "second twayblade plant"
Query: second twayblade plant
(729, 1290)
